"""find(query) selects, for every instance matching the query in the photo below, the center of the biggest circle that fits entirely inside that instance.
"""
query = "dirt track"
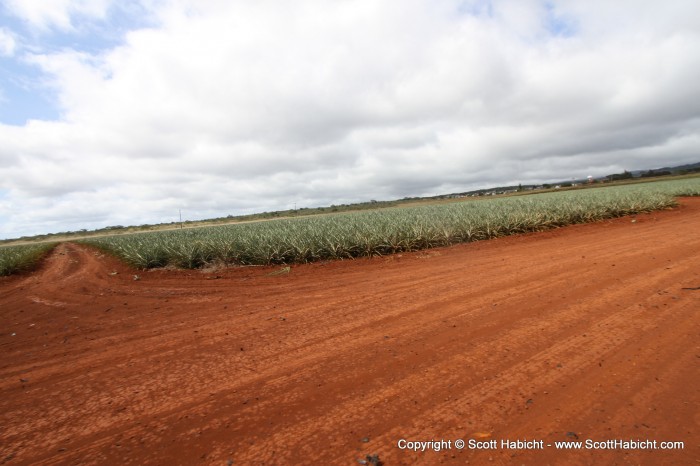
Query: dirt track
(585, 332)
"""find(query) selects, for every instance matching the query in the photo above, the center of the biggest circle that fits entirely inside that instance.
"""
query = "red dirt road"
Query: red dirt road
(582, 333)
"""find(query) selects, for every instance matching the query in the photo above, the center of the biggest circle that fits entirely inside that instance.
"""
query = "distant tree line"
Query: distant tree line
(621, 176)
(651, 173)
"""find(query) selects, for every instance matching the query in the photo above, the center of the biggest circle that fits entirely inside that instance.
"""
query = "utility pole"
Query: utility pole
(180, 219)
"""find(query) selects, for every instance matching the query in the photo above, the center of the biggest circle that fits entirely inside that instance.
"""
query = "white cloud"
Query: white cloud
(57, 14)
(8, 43)
(232, 106)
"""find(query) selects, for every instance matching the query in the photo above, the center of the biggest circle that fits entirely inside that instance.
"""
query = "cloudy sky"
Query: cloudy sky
(123, 112)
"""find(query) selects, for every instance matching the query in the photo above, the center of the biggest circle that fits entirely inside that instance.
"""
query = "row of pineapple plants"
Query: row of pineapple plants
(16, 259)
(370, 233)
(387, 231)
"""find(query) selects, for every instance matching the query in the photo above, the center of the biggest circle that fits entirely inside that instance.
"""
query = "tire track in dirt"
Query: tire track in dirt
(186, 367)
(494, 388)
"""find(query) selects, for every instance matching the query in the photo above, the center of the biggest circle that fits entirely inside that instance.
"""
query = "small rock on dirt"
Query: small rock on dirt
(372, 460)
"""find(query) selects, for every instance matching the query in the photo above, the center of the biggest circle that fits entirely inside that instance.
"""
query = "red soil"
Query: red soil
(585, 332)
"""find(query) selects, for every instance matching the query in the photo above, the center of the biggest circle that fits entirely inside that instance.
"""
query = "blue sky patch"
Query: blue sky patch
(478, 8)
(24, 94)
(557, 24)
